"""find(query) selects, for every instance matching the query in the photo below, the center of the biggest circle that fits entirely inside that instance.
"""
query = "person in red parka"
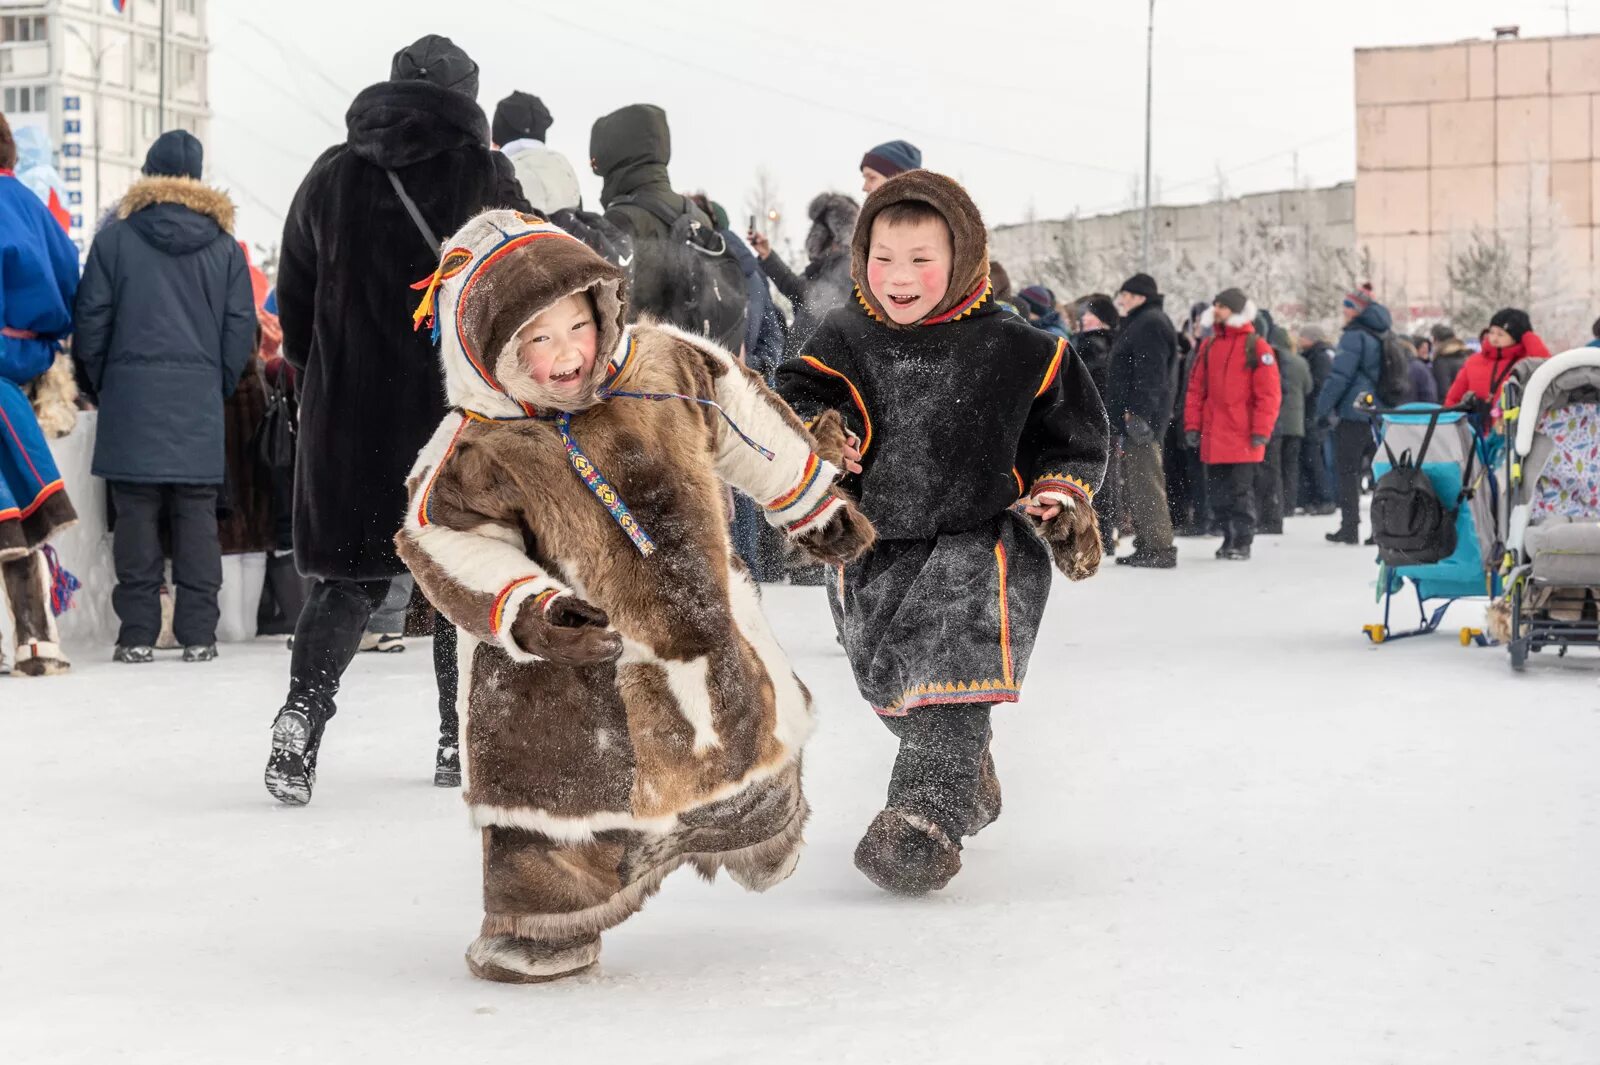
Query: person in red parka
(1509, 340)
(1229, 413)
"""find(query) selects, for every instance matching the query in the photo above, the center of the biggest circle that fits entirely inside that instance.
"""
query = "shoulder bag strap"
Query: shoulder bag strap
(412, 210)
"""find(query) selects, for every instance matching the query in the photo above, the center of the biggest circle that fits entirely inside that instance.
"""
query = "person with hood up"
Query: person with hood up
(1040, 304)
(1510, 340)
(547, 179)
(1229, 415)
(630, 149)
(368, 376)
(1449, 355)
(38, 283)
(1097, 319)
(824, 284)
(1357, 369)
(1424, 389)
(885, 161)
(166, 327)
(1144, 363)
(627, 709)
(977, 444)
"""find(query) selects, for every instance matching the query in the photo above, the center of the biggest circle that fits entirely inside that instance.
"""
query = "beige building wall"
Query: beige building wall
(1500, 136)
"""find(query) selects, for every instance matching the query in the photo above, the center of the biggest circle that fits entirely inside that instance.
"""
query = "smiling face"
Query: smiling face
(908, 267)
(557, 348)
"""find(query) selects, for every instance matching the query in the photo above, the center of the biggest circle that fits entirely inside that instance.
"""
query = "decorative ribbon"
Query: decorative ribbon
(602, 488)
(757, 448)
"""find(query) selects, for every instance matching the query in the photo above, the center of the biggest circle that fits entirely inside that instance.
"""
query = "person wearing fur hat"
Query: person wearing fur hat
(627, 709)
(825, 282)
(37, 289)
(1139, 403)
(885, 161)
(368, 378)
(976, 444)
(1510, 340)
(1229, 414)
(166, 327)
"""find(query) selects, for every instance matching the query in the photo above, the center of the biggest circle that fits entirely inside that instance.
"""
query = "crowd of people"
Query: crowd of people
(461, 411)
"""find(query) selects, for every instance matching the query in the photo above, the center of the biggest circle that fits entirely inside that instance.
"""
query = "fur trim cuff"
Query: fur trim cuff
(815, 518)
(1062, 486)
(810, 490)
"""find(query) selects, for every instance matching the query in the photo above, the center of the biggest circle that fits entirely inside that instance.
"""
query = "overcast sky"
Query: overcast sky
(1035, 106)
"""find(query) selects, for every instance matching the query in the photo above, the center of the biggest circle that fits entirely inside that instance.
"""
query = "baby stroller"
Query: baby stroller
(1552, 425)
(1433, 515)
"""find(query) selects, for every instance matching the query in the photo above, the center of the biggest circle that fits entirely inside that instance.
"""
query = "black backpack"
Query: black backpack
(277, 434)
(1410, 525)
(690, 279)
(1394, 374)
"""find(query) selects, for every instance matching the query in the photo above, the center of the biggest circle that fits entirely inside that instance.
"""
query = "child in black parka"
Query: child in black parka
(976, 441)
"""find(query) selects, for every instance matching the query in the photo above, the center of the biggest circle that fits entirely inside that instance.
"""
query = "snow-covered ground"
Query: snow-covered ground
(1234, 832)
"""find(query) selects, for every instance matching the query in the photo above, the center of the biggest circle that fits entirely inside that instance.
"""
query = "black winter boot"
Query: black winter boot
(907, 854)
(447, 764)
(292, 765)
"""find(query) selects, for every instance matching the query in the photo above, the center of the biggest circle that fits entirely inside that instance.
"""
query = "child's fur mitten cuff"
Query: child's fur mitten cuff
(1074, 538)
(843, 535)
(567, 631)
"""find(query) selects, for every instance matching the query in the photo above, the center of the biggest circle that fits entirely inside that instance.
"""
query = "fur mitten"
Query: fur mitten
(1497, 619)
(1074, 539)
(567, 631)
(846, 537)
(831, 436)
(55, 398)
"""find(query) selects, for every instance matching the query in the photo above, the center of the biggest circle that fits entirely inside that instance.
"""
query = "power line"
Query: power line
(281, 45)
(851, 112)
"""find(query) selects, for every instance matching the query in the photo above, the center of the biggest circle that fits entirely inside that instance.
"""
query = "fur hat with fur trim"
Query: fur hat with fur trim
(498, 272)
(969, 268)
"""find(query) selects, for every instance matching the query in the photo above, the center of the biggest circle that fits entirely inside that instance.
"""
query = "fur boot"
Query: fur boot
(515, 960)
(986, 804)
(55, 398)
(1498, 620)
(906, 854)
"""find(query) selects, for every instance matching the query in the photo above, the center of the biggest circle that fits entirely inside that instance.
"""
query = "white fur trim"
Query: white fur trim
(43, 652)
(1068, 502)
(501, 952)
(795, 721)
(569, 829)
(513, 606)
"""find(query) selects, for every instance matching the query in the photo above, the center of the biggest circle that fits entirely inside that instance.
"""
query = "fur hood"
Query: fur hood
(395, 124)
(969, 270)
(1208, 317)
(833, 222)
(200, 198)
(497, 273)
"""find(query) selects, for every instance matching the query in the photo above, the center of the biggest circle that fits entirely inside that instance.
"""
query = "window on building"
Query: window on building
(6, 61)
(147, 123)
(149, 55)
(22, 28)
(187, 64)
(186, 7)
(22, 98)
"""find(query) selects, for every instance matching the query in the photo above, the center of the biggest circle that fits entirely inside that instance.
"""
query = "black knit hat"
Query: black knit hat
(1513, 321)
(1233, 299)
(895, 157)
(1141, 285)
(176, 153)
(439, 61)
(520, 116)
(1101, 306)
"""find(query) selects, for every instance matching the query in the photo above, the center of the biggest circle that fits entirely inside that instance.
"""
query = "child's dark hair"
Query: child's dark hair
(1596, 328)
(910, 213)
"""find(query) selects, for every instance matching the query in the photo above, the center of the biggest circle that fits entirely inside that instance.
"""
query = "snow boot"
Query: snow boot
(1343, 536)
(200, 652)
(906, 854)
(986, 803)
(292, 766)
(387, 643)
(515, 960)
(1237, 553)
(1150, 560)
(133, 656)
(447, 765)
(41, 659)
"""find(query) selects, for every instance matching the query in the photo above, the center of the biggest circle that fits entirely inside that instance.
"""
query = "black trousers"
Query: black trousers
(941, 756)
(1231, 488)
(1269, 488)
(1106, 500)
(1291, 473)
(1352, 446)
(1144, 487)
(1314, 470)
(1199, 494)
(329, 633)
(141, 569)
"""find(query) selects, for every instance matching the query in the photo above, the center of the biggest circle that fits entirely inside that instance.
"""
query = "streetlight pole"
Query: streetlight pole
(98, 56)
(1149, 85)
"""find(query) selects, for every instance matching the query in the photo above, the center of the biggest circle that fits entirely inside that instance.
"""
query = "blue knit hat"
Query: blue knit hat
(1040, 300)
(893, 158)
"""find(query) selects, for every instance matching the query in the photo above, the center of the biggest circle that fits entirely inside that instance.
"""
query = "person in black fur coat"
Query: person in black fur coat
(977, 443)
(370, 391)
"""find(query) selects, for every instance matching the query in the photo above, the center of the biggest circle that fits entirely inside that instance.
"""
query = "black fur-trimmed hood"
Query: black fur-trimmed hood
(394, 124)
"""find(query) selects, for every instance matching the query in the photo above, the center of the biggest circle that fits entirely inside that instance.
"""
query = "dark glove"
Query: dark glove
(1191, 439)
(570, 632)
(1138, 430)
(1328, 421)
(1258, 441)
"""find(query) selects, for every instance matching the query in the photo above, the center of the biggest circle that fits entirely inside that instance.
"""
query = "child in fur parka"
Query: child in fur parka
(971, 435)
(625, 708)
